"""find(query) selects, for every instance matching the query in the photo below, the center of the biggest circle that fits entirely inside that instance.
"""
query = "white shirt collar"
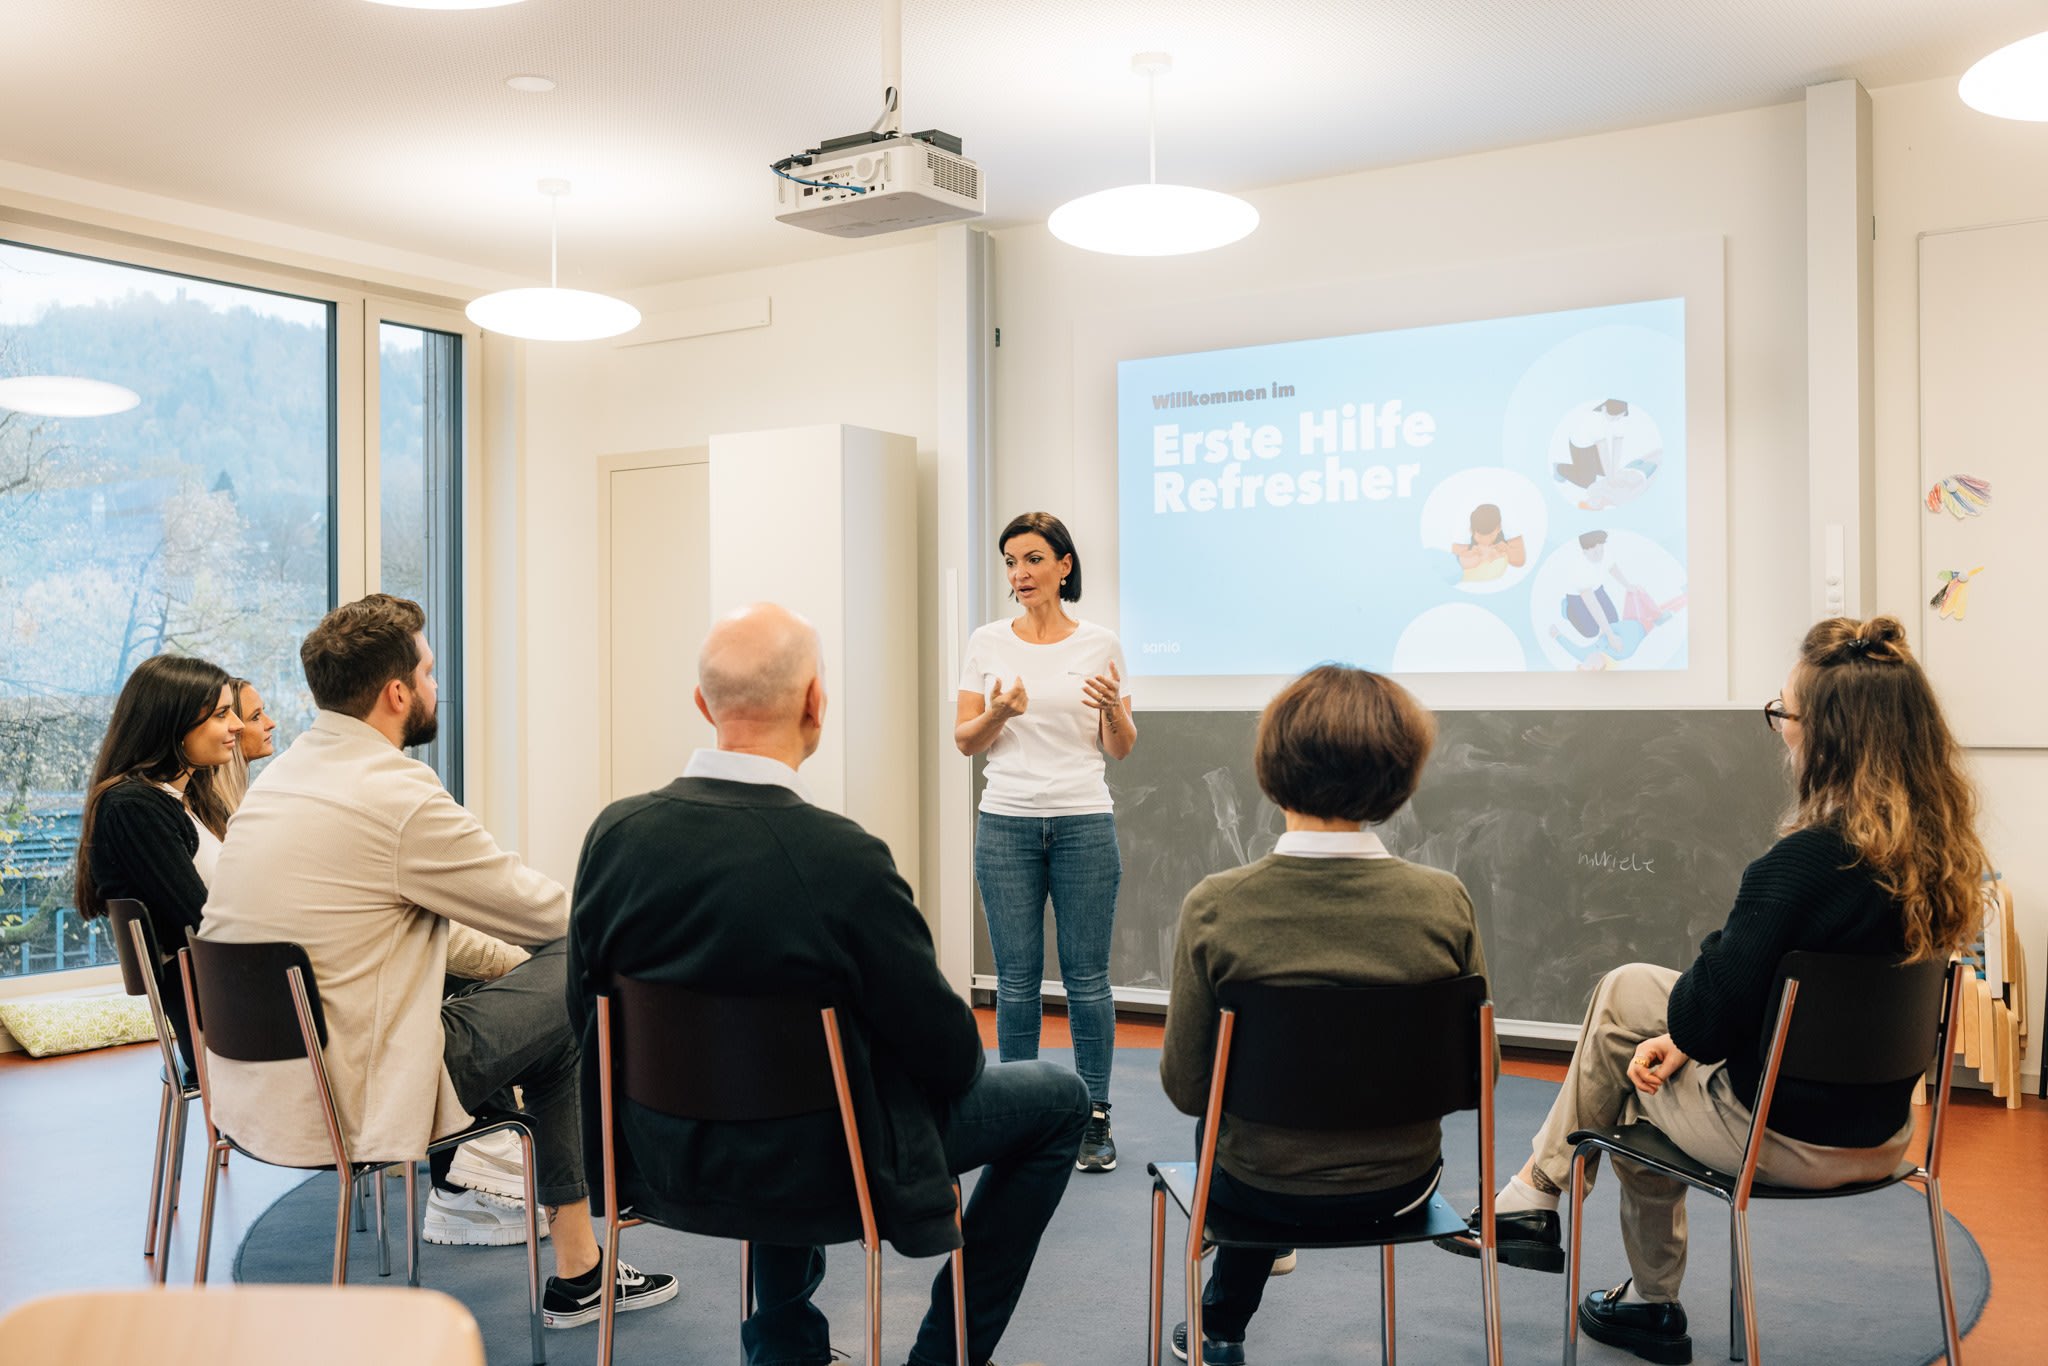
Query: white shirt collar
(729, 766)
(1331, 844)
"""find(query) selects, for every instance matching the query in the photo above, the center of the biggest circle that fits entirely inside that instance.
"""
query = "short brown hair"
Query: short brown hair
(358, 648)
(1343, 744)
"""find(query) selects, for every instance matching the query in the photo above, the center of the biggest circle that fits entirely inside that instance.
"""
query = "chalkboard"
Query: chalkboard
(1586, 838)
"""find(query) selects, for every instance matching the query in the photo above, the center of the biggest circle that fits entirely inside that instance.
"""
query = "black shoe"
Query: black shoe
(1098, 1149)
(1214, 1353)
(1528, 1238)
(1654, 1332)
(568, 1303)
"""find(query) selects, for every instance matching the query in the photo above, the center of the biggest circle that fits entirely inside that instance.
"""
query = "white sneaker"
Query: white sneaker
(491, 1163)
(475, 1219)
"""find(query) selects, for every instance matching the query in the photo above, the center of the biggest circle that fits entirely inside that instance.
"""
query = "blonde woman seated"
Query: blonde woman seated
(1340, 748)
(1880, 857)
(252, 744)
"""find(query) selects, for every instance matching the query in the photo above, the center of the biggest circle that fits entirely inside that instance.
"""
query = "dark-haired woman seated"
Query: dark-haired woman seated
(1340, 748)
(153, 820)
(1880, 857)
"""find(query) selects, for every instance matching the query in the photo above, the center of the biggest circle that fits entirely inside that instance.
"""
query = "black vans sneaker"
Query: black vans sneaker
(568, 1303)
(1098, 1149)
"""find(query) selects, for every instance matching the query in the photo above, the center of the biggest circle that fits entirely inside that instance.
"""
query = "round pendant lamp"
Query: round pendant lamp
(2012, 83)
(1153, 219)
(553, 313)
(65, 396)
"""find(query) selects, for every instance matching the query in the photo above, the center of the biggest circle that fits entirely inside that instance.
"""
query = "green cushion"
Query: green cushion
(77, 1024)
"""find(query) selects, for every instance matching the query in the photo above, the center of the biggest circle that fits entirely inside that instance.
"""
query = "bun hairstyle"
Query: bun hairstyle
(1056, 535)
(1878, 764)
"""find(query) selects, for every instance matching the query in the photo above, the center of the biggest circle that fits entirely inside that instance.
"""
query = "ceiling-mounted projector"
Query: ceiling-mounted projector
(881, 180)
(874, 183)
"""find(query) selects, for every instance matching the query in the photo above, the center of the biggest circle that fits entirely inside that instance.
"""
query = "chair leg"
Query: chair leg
(611, 1272)
(412, 1224)
(1736, 1351)
(167, 1204)
(1489, 1287)
(362, 1195)
(383, 1227)
(1158, 1274)
(1387, 1305)
(1748, 1285)
(1937, 1224)
(202, 1254)
(746, 1290)
(960, 1303)
(1193, 1293)
(342, 1215)
(874, 1260)
(607, 1295)
(156, 1177)
(1571, 1259)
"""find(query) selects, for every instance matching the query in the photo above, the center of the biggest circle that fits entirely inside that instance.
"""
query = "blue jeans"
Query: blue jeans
(1021, 1124)
(1017, 861)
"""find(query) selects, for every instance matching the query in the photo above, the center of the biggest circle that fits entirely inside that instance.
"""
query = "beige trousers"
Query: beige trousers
(1696, 1108)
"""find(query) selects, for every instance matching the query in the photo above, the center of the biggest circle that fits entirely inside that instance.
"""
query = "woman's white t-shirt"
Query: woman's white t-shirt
(1046, 762)
(208, 854)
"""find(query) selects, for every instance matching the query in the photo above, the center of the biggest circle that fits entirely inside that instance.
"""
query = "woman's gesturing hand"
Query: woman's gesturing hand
(1654, 1062)
(1008, 704)
(1103, 693)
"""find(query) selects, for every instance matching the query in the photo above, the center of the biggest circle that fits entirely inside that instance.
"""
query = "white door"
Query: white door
(656, 571)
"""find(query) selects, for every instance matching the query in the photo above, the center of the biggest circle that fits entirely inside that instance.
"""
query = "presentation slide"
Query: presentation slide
(1482, 497)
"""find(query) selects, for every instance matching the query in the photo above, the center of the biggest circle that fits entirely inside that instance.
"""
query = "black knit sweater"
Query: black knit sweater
(1808, 892)
(143, 843)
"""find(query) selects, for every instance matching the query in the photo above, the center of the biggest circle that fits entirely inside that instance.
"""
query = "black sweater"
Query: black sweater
(1808, 892)
(745, 889)
(143, 843)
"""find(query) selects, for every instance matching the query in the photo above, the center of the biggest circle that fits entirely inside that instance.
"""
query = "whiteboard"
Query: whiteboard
(1984, 412)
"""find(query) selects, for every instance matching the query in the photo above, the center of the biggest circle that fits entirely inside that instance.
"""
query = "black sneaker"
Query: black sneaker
(1098, 1149)
(1654, 1332)
(566, 1304)
(1214, 1353)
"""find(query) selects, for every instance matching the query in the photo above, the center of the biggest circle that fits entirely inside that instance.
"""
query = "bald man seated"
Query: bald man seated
(730, 881)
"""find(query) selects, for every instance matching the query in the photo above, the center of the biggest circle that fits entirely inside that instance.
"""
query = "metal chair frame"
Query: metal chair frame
(351, 1174)
(1737, 1190)
(870, 1239)
(1436, 1219)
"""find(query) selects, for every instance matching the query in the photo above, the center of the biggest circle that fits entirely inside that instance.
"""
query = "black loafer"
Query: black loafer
(1529, 1238)
(1654, 1332)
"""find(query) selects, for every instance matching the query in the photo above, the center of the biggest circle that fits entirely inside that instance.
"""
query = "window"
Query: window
(199, 521)
(419, 486)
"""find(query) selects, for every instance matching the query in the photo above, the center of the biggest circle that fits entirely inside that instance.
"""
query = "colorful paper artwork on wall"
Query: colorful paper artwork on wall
(1953, 597)
(1962, 495)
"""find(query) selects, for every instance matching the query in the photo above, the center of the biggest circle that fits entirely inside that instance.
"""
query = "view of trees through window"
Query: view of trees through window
(196, 522)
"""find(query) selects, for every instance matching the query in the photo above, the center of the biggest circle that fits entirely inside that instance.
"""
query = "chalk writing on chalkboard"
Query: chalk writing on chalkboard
(1608, 860)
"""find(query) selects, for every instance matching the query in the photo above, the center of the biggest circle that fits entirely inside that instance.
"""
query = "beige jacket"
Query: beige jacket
(356, 852)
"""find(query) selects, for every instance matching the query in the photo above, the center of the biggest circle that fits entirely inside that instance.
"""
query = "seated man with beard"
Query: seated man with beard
(356, 852)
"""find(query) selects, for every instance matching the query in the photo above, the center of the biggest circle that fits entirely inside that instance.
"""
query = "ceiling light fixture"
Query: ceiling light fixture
(553, 314)
(65, 396)
(530, 85)
(1153, 219)
(2012, 83)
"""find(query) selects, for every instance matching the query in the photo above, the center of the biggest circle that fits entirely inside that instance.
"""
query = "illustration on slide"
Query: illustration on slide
(1491, 552)
(1591, 628)
(1608, 450)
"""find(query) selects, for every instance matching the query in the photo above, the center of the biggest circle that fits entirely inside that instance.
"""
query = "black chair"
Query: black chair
(260, 1003)
(1861, 1021)
(1337, 1058)
(732, 1059)
(135, 945)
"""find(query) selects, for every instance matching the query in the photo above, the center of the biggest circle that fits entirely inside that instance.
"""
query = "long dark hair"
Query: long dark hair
(1878, 764)
(161, 702)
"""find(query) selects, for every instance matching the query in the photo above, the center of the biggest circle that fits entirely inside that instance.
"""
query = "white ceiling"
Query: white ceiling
(394, 126)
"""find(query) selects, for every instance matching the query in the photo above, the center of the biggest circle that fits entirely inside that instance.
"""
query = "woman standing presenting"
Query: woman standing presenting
(1043, 695)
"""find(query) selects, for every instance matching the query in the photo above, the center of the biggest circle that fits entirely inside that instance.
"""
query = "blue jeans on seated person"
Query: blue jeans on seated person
(1018, 861)
(1238, 1281)
(1021, 1124)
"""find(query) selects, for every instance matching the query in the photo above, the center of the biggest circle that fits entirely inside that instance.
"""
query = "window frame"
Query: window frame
(356, 308)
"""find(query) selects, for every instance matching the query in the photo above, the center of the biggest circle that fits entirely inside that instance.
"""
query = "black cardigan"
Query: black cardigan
(143, 844)
(1808, 892)
(746, 889)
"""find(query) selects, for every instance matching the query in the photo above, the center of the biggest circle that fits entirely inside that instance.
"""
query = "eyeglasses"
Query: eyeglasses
(1775, 715)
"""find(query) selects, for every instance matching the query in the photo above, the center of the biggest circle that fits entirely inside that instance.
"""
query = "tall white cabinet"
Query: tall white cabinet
(824, 521)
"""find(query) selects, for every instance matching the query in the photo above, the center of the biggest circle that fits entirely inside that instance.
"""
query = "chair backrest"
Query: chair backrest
(122, 914)
(1331, 1058)
(725, 1058)
(1858, 1019)
(245, 1004)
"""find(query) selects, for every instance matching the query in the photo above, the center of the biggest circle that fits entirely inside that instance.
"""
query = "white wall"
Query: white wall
(850, 342)
(1939, 165)
(1738, 175)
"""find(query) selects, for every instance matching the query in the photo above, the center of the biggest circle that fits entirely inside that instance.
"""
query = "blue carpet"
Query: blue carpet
(1837, 1280)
